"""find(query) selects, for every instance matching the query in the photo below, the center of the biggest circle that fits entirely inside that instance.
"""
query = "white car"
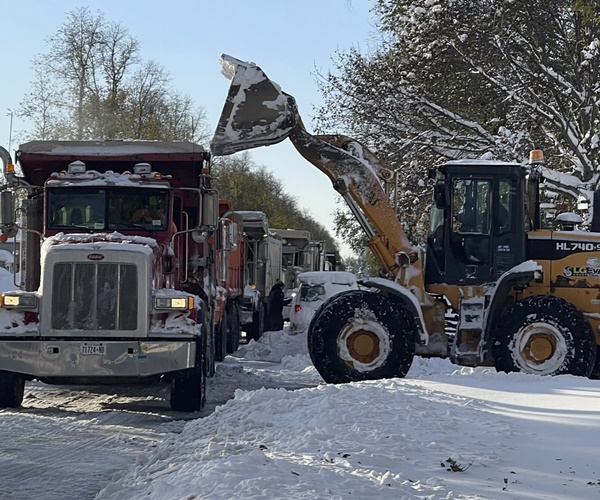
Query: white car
(315, 287)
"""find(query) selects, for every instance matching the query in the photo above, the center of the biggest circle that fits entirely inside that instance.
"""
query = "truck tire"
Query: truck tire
(221, 338)
(209, 339)
(544, 335)
(359, 335)
(188, 387)
(233, 329)
(258, 323)
(188, 390)
(12, 389)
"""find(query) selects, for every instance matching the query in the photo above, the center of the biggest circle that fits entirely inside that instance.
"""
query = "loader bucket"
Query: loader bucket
(256, 111)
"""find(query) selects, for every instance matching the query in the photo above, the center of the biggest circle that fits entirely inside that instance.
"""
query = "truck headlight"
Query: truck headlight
(18, 300)
(174, 303)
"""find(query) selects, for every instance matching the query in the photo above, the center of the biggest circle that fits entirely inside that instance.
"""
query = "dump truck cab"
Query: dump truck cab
(118, 267)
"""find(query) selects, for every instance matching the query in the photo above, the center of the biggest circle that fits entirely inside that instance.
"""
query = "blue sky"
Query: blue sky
(288, 39)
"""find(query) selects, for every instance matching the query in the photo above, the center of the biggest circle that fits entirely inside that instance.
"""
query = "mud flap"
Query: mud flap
(256, 111)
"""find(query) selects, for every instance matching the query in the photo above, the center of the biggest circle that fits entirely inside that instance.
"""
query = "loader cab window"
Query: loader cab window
(504, 217)
(471, 206)
(471, 220)
(436, 236)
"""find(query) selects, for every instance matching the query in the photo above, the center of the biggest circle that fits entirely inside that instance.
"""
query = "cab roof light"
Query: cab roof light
(536, 156)
(76, 167)
(142, 168)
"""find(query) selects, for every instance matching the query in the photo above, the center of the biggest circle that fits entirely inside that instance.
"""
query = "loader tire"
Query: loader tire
(359, 335)
(544, 335)
(12, 389)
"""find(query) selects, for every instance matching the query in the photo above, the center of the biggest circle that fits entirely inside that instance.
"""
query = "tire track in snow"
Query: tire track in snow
(68, 443)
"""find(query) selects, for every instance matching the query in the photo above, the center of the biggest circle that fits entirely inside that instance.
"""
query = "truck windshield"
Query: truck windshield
(97, 209)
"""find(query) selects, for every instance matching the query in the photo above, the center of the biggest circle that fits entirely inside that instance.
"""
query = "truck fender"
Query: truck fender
(520, 275)
(407, 300)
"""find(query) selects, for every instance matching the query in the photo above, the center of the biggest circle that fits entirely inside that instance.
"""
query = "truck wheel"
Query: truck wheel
(233, 329)
(360, 335)
(258, 323)
(12, 389)
(188, 389)
(544, 335)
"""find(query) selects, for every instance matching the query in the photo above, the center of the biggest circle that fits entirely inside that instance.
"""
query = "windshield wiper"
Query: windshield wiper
(71, 226)
(128, 225)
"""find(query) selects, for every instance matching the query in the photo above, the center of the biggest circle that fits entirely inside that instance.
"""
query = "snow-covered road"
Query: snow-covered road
(68, 443)
(272, 430)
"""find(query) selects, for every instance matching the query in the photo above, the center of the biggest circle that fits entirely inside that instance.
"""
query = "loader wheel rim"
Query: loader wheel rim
(540, 348)
(364, 345)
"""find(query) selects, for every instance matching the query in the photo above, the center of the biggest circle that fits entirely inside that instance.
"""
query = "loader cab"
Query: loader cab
(476, 228)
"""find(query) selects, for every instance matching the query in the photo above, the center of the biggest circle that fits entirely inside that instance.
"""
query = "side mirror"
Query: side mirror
(7, 208)
(210, 209)
(229, 235)
(441, 195)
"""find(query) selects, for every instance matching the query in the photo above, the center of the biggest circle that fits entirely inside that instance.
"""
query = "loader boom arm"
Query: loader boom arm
(258, 113)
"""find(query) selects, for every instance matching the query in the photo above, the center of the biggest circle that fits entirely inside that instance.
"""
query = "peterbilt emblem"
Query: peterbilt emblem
(95, 256)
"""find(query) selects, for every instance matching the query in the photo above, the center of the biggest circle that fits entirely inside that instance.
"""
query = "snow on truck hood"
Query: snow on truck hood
(99, 241)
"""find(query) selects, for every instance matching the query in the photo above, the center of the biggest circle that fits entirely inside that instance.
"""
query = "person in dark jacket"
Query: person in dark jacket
(275, 307)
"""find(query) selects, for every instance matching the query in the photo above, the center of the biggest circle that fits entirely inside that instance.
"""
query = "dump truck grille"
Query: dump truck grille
(94, 296)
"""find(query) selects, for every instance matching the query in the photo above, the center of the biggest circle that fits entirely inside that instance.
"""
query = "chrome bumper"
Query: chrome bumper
(121, 358)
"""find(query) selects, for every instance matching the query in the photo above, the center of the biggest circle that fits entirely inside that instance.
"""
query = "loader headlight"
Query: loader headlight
(174, 303)
(18, 301)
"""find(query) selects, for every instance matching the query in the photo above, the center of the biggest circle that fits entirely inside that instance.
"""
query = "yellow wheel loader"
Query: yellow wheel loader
(527, 298)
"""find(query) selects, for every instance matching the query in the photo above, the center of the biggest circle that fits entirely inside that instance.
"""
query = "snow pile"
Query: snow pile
(443, 432)
(275, 346)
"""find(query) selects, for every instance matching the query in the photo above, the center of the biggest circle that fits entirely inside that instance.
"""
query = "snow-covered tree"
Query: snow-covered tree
(465, 78)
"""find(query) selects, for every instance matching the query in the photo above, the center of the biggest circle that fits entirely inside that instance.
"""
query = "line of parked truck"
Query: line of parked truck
(133, 268)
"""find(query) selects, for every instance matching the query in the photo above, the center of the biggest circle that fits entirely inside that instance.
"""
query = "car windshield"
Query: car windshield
(107, 209)
(312, 293)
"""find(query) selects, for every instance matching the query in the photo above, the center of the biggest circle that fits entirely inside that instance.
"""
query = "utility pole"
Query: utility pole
(10, 113)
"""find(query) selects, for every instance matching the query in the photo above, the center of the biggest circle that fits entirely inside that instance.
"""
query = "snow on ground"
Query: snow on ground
(444, 432)
(272, 429)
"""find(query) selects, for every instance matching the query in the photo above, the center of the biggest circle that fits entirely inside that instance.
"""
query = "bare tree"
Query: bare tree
(91, 84)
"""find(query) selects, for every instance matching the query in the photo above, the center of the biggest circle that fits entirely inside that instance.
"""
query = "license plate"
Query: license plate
(93, 349)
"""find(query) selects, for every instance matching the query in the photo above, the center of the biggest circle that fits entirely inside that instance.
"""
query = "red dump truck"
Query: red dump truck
(129, 273)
